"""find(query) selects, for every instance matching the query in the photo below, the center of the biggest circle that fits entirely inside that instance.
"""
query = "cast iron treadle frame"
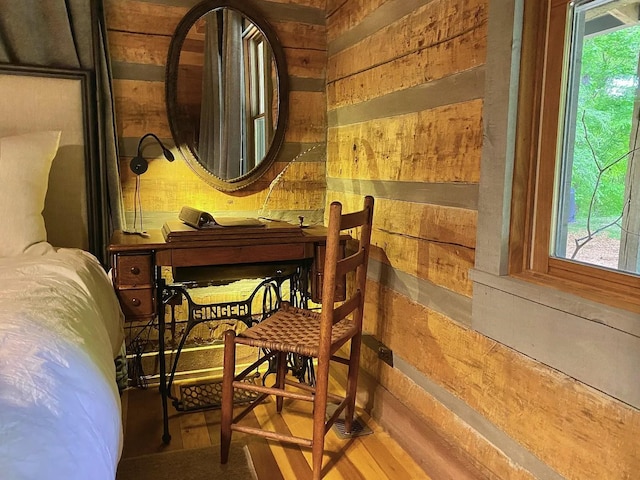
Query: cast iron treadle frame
(209, 395)
(239, 310)
(198, 313)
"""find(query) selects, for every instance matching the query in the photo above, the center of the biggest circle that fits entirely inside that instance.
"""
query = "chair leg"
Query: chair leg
(280, 378)
(319, 417)
(352, 382)
(228, 372)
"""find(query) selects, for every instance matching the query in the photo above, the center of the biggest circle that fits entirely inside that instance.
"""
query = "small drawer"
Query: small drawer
(133, 270)
(136, 302)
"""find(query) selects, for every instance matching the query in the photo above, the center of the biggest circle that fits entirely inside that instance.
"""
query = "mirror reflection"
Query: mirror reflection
(226, 93)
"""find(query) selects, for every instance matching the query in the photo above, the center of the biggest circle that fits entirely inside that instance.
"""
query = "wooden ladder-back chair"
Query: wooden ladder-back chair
(318, 335)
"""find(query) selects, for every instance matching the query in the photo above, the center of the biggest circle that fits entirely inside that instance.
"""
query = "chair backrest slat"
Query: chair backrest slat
(353, 219)
(347, 307)
(336, 266)
(350, 263)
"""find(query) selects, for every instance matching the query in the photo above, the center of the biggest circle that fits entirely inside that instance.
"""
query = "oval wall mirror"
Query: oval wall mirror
(226, 93)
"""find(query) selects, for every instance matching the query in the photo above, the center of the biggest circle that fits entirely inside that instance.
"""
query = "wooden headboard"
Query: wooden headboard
(37, 99)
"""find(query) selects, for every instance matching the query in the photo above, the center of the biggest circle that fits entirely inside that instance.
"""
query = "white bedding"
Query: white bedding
(60, 329)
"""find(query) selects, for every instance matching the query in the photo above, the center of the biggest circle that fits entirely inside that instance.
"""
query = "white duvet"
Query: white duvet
(60, 328)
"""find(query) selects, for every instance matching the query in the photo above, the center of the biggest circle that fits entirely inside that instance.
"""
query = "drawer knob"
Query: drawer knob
(136, 302)
(135, 270)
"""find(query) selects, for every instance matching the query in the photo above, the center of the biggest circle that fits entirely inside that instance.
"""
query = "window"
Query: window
(576, 215)
(578, 318)
(259, 92)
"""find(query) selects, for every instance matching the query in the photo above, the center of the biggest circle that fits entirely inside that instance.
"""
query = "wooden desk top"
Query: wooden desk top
(251, 249)
(123, 242)
(253, 246)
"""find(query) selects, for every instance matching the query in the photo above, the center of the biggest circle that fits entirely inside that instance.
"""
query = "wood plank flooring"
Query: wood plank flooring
(374, 456)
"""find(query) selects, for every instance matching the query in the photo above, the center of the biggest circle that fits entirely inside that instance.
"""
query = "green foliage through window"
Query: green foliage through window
(595, 209)
(608, 85)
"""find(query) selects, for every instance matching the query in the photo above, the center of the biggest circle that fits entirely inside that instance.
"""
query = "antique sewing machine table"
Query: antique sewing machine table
(196, 257)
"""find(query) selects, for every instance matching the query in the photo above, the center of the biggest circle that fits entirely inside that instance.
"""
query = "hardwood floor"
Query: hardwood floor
(375, 456)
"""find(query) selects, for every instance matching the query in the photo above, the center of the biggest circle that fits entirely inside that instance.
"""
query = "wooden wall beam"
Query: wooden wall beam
(444, 144)
(531, 403)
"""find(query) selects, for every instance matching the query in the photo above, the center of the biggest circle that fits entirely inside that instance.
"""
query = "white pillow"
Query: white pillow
(25, 161)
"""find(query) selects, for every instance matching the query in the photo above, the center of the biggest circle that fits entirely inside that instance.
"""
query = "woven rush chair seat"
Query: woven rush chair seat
(294, 330)
(320, 336)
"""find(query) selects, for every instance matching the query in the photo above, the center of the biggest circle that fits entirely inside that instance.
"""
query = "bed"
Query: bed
(61, 327)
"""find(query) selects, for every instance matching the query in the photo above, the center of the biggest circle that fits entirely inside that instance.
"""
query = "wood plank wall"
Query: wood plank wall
(405, 83)
(139, 33)
(404, 94)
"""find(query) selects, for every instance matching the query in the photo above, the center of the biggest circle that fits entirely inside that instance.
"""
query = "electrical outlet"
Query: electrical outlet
(384, 353)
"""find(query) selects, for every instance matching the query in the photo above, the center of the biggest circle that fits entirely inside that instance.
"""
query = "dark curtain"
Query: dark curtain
(69, 34)
(222, 107)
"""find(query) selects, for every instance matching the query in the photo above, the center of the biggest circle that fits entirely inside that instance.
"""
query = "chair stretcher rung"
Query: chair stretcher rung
(329, 423)
(273, 391)
(272, 435)
(303, 386)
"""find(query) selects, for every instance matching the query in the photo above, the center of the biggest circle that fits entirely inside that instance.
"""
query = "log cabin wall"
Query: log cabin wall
(402, 119)
(139, 33)
(405, 93)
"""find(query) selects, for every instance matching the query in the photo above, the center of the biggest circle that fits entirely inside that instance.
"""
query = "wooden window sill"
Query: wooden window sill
(621, 296)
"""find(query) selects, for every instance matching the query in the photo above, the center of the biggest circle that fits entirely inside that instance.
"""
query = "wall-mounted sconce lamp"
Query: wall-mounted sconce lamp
(139, 165)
